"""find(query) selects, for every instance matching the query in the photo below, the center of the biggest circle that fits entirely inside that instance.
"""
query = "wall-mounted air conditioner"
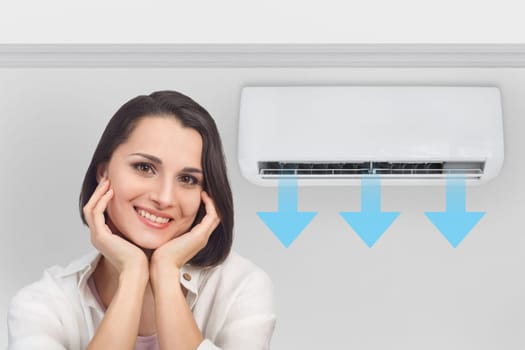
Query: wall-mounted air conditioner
(335, 135)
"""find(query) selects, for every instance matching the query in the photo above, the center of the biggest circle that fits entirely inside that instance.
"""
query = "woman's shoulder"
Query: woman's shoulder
(49, 311)
(57, 279)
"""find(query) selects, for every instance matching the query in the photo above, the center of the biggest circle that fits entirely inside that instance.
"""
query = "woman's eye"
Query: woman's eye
(144, 168)
(188, 179)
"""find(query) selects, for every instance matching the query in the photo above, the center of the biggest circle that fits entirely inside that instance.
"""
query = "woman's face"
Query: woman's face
(156, 176)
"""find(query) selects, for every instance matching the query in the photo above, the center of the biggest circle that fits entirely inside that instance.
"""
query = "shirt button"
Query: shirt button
(186, 276)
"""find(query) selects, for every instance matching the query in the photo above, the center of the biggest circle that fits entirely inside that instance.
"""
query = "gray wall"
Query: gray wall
(412, 290)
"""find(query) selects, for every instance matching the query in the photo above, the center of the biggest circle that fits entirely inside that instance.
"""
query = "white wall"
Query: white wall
(269, 21)
(411, 291)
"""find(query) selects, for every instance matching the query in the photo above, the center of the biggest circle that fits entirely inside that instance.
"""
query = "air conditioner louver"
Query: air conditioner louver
(349, 170)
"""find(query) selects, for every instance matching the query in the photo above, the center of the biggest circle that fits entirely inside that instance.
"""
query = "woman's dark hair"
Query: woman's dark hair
(191, 115)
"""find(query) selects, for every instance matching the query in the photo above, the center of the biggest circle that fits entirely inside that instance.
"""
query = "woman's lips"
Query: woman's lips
(154, 212)
(153, 224)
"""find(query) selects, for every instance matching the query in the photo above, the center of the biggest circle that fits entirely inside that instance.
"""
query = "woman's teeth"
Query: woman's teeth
(152, 217)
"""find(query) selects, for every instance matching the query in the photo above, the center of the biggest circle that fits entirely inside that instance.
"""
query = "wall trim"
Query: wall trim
(261, 55)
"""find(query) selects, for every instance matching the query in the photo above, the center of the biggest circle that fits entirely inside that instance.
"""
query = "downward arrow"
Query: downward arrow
(287, 223)
(370, 223)
(455, 223)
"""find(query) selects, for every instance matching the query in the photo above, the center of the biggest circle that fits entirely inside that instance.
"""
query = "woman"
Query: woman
(159, 208)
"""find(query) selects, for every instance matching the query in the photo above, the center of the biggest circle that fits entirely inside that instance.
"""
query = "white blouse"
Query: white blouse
(232, 305)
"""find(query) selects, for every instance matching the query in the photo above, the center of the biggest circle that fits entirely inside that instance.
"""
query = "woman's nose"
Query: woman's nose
(163, 194)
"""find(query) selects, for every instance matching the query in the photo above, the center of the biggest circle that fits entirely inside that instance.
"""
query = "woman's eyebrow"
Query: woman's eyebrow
(191, 170)
(148, 156)
(159, 161)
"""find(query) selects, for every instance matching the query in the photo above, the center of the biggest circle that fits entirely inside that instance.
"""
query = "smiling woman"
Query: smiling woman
(155, 197)
(158, 204)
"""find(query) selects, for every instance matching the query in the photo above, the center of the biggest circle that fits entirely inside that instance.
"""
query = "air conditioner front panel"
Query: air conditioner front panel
(369, 124)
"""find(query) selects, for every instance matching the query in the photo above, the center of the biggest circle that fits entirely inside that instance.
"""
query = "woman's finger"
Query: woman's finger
(211, 217)
(95, 197)
(210, 220)
(98, 212)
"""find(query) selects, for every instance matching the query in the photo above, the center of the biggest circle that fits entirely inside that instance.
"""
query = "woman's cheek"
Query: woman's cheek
(196, 202)
(190, 206)
(113, 207)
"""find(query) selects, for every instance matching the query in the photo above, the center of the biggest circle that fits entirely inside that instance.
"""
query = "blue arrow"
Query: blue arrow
(370, 223)
(456, 222)
(287, 223)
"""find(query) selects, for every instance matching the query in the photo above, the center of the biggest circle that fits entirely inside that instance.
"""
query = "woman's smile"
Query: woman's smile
(152, 220)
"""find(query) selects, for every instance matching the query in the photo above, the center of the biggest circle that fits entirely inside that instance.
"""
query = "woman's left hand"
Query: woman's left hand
(175, 253)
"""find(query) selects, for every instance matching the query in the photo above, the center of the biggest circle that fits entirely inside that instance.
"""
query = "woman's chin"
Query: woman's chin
(146, 245)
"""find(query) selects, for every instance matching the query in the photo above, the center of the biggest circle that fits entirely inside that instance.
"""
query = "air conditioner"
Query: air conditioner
(335, 135)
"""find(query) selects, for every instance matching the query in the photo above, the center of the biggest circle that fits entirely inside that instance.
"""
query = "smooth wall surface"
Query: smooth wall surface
(270, 21)
(411, 291)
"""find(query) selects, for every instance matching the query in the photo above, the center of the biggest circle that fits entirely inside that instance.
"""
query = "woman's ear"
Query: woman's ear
(102, 171)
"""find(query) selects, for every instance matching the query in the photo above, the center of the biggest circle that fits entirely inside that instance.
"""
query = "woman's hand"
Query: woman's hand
(173, 254)
(122, 254)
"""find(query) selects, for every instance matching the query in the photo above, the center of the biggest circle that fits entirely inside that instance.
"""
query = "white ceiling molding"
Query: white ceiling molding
(261, 55)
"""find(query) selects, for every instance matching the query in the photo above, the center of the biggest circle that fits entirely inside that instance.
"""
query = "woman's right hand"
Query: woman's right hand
(123, 255)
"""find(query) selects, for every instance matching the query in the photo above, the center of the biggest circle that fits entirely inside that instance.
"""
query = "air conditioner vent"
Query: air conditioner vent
(346, 170)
